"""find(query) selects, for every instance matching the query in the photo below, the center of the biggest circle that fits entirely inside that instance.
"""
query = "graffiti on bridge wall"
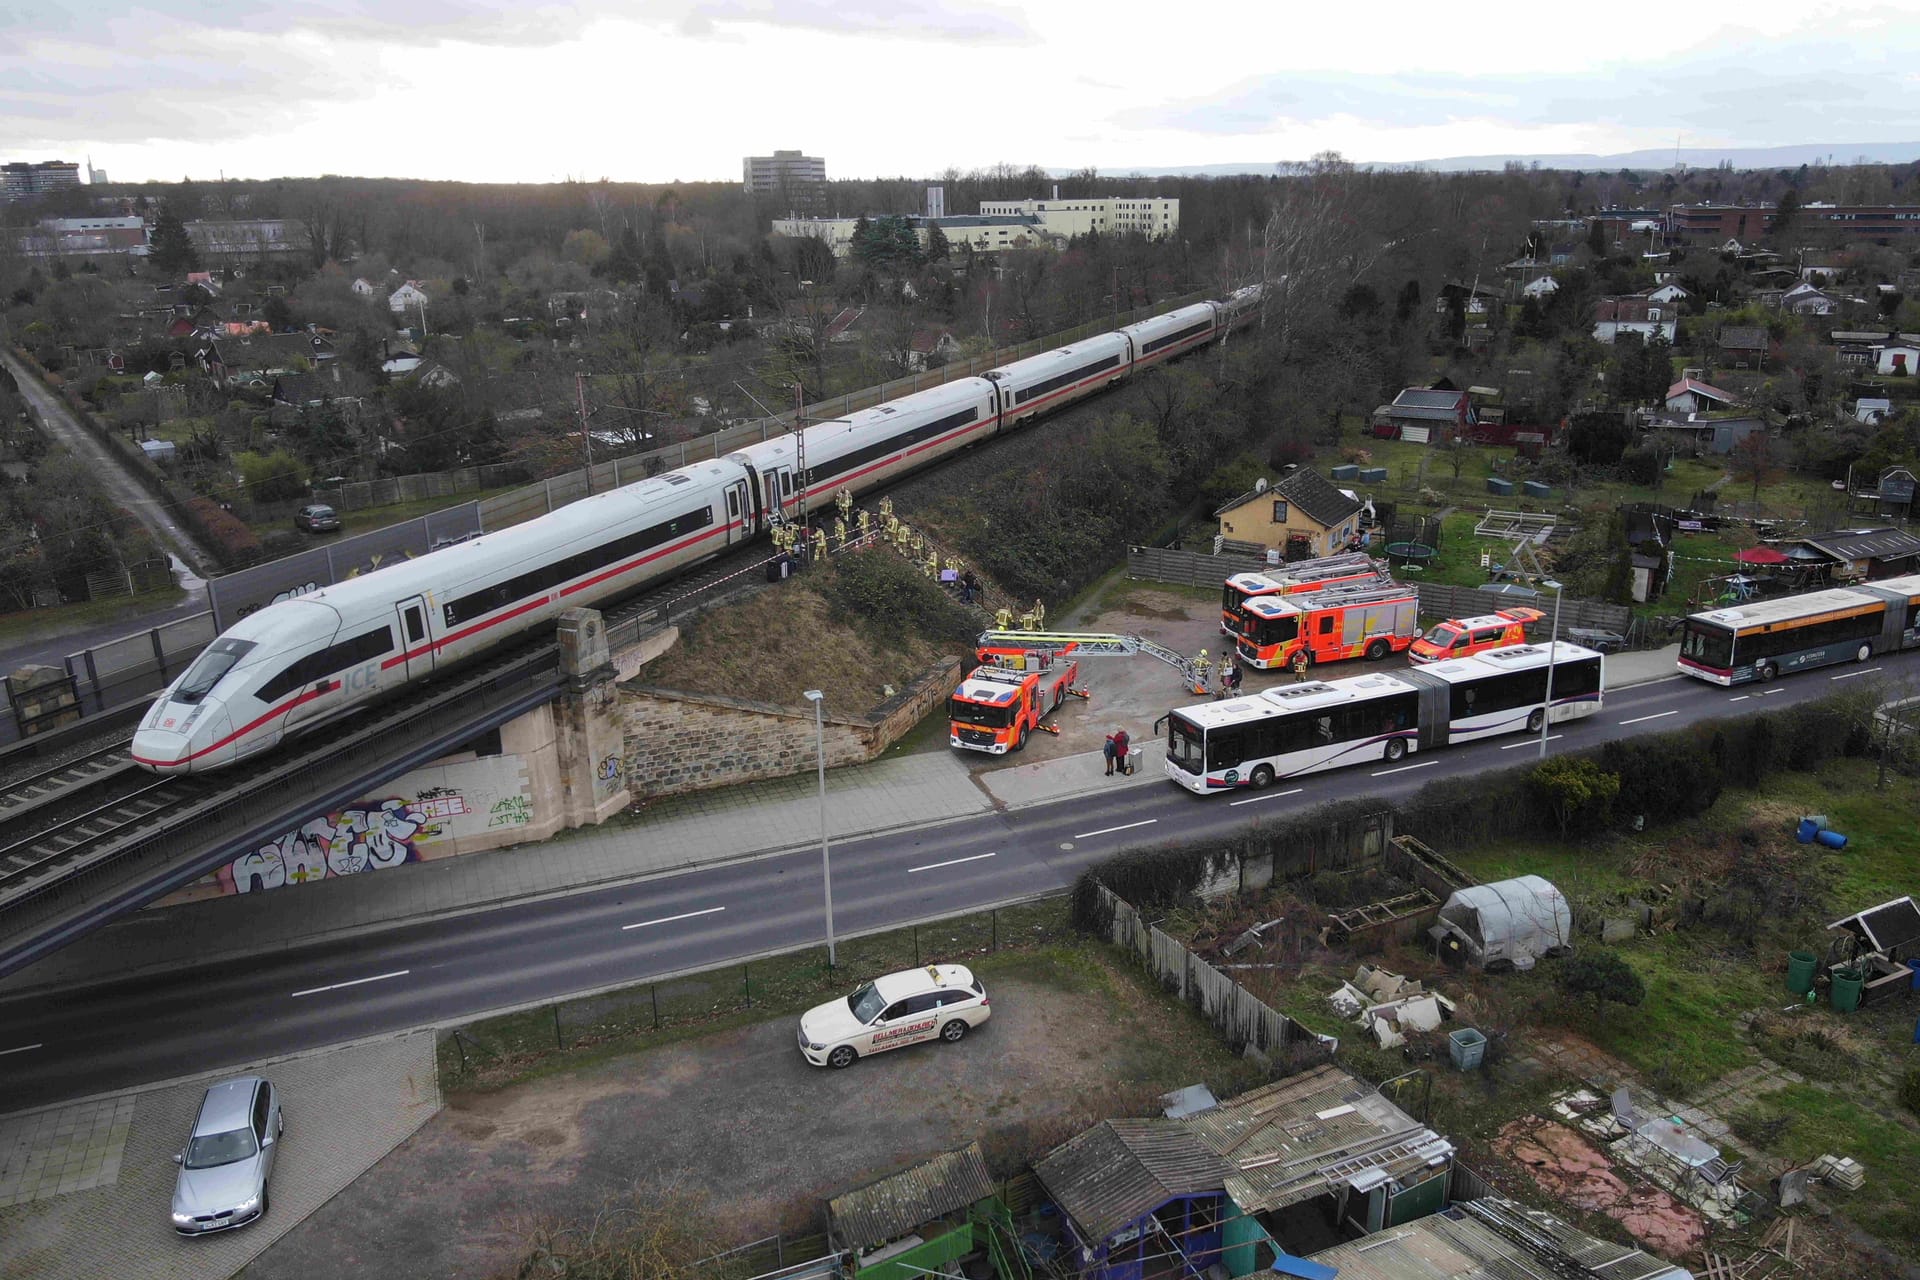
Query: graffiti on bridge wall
(436, 805)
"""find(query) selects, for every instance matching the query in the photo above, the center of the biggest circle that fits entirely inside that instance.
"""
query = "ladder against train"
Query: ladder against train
(1102, 643)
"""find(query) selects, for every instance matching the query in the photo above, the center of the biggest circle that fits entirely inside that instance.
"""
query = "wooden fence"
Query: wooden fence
(1437, 599)
(1243, 1021)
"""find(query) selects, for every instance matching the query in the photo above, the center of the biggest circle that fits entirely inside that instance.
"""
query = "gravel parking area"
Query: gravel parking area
(739, 1119)
(106, 1214)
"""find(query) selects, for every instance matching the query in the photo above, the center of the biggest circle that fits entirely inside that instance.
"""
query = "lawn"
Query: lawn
(1804, 1122)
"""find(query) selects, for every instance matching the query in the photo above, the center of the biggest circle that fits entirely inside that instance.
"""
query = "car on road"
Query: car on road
(317, 518)
(939, 1001)
(229, 1157)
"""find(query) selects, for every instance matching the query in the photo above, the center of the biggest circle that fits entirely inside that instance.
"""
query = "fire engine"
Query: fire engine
(1008, 696)
(1342, 622)
(1349, 568)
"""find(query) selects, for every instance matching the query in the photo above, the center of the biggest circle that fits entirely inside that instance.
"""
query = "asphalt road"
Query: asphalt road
(75, 1043)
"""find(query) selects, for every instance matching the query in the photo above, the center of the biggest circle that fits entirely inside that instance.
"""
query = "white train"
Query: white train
(303, 661)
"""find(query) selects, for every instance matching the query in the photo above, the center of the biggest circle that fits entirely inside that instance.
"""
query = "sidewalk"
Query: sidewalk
(672, 835)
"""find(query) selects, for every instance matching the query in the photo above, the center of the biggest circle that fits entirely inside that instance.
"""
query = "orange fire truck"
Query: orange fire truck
(1008, 695)
(1341, 622)
(1349, 568)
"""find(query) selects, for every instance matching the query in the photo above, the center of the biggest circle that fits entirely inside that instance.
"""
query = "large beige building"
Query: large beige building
(1152, 216)
(984, 233)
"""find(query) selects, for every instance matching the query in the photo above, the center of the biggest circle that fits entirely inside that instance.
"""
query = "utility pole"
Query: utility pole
(800, 448)
(586, 437)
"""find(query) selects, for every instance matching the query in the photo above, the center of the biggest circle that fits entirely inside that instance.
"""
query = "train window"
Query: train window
(416, 625)
(532, 583)
(317, 666)
(786, 484)
(733, 505)
(213, 664)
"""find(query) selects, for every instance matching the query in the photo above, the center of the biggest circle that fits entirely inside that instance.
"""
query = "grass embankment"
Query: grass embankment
(30, 625)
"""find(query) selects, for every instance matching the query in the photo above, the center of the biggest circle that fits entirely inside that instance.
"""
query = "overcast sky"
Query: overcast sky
(651, 90)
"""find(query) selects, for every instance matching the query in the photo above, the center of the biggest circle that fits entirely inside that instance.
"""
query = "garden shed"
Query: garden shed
(1507, 924)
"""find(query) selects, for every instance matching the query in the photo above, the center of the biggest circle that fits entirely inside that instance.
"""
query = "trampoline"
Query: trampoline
(1410, 555)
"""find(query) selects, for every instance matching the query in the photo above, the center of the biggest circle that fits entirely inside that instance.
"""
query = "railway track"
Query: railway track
(100, 812)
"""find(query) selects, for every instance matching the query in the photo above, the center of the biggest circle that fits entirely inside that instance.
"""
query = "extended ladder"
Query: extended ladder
(1090, 642)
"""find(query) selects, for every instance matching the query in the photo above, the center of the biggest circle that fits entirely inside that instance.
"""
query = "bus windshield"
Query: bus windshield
(1707, 645)
(1184, 740)
(987, 717)
(1268, 631)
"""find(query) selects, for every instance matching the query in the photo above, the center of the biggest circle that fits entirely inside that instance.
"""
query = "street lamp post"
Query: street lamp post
(1553, 652)
(826, 865)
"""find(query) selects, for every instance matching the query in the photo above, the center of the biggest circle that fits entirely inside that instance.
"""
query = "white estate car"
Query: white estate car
(940, 1000)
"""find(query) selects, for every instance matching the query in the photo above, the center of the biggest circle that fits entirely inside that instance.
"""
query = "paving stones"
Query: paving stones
(61, 1149)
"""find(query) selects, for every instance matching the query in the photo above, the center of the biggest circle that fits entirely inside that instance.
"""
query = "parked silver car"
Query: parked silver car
(229, 1157)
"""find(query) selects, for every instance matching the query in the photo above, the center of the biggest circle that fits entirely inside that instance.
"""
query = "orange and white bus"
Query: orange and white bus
(1349, 568)
(1772, 637)
(1332, 625)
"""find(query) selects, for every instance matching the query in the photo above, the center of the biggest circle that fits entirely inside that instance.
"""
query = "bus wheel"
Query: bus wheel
(1536, 720)
(1262, 778)
(1378, 650)
(1766, 672)
(1866, 651)
(1396, 748)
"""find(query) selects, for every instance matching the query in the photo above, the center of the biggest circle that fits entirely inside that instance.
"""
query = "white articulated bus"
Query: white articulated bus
(1284, 732)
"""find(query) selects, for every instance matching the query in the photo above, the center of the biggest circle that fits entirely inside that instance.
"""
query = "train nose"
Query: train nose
(184, 749)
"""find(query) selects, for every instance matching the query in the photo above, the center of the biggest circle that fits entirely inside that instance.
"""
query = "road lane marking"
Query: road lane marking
(1742, 698)
(1424, 764)
(378, 977)
(1257, 799)
(1107, 831)
(1532, 742)
(1864, 671)
(685, 915)
(22, 1049)
(1658, 715)
(1765, 692)
(952, 862)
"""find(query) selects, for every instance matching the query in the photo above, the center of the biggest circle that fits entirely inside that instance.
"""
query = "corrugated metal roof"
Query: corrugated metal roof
(1860, 544)
(1489, 1239)
(1290, 1140)
(892, 1207)
(1121, 1170)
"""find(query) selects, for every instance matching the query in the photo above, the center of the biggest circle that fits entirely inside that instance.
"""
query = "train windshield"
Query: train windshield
(218, 659)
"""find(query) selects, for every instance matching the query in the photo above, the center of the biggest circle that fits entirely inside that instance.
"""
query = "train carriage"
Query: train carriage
(1175, 333)
(1051, 379)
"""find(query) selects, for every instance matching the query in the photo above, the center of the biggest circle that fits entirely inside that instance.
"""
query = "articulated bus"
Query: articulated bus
(1340, 569)
(1761, 640)
(1303, 728)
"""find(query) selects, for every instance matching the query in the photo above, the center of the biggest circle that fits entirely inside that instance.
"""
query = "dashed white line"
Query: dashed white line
(1257, 799)
(1107, 831)
(685, 915)
(1742, 698)
(951, 862)
(1658, 715)
(1532, 742)
(1768, 692)
(1424, 764)
(22, 1049)
(378, 977)
(1864, 671)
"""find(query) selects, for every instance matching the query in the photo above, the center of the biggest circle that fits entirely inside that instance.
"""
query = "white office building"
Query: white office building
(1152, 216)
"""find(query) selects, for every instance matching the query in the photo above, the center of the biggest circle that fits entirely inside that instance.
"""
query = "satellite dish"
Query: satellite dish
(1260, 485)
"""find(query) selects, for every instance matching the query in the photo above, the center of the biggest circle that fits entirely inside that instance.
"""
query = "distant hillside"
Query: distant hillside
(1791, 157)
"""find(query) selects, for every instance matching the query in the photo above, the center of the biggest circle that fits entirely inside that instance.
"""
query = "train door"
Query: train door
(414, 643)
(740, 520)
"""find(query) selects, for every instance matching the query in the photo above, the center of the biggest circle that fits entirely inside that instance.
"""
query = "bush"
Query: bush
(273, 477)
(1579, 793)
(891, 602)
(1603, 976)
(1664, 777)
(227, 535)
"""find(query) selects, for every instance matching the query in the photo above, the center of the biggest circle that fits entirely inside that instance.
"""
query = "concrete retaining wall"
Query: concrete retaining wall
(678, 742)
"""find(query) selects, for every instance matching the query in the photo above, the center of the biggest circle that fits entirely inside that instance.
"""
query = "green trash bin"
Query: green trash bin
(1466, 1047)
(1846, 990)
(1801, 966)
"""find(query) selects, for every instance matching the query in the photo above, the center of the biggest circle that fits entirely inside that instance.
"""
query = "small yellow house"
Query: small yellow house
(1304, 514)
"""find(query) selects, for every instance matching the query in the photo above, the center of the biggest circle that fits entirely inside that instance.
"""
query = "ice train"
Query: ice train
(306, 660)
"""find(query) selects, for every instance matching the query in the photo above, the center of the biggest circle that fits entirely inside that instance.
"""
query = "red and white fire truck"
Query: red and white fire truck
(1008, 695)
(1368, 621)
(1349, 568)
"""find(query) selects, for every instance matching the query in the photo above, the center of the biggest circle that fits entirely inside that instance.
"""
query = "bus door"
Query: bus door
(414, 643)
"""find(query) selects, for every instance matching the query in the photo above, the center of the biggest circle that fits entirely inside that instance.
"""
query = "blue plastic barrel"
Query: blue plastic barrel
(1831, 839)
(1914, 965)
(1808, 830)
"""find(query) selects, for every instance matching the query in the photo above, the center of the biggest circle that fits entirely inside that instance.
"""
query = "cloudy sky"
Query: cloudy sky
(651, 90)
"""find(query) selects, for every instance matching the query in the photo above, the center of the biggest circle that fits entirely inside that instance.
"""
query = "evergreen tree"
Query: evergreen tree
(172, 252)
(1784, 212)
(864, 243)
(937, 247)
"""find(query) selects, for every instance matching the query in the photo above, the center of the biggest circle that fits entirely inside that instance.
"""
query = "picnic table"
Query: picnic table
(1672, 1137)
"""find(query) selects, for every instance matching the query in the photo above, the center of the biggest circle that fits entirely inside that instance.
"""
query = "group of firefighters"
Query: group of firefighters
(1224, 682)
